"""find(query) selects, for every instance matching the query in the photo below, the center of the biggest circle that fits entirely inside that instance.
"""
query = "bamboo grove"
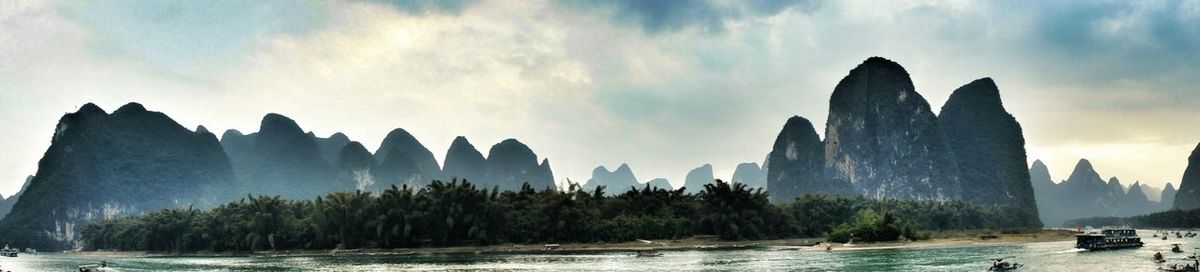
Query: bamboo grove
(457, 213)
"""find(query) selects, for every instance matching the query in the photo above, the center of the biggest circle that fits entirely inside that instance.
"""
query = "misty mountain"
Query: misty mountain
(1152, 193)
(660, 183)
(331, 147)
(282, 160)
(1168, 197)
(237, 145)
(6, 204)
(463, 161)
(1044, 188)
(1135, 201)
(511, 163)
(797, 162)
(399, 139)
(102, 166)
(750, 174)
(615, 182)
(989, 147)
(398, 169)
(1188, 196)
(697, 178)
(1084, 194)
(356, 167)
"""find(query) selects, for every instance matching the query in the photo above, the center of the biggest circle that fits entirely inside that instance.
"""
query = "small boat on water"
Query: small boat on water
(1181, 267)
(648, 253)
(1175, 248)
(103, 266)
(1158, 257)
(1108, 238)
(1000, 265)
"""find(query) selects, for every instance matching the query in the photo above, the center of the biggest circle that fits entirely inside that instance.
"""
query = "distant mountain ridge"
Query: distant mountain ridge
(616, 181)
(1085, 194)
(154, 163)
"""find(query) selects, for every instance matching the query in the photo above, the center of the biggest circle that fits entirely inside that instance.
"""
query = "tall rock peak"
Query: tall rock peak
(511, 163)
(796, 164)
(989, 149)
(882, 138)
(464, 162)
(400, 139)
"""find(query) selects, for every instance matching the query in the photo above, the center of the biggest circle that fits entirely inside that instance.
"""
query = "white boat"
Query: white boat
(9, 252)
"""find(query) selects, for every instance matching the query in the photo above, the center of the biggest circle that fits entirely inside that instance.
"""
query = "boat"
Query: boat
(1175, 248)
(9, 252)
(1158, 257)
(103, 266)
(648, 253)
(1108, 238)
(1179, 267)
(1000, 265)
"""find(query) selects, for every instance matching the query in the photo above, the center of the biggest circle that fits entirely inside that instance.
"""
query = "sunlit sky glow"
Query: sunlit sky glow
(665, 86)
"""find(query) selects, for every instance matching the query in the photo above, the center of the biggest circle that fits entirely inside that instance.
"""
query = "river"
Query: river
(1045, 256)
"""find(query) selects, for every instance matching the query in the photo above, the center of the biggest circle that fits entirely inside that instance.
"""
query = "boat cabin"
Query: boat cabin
(1108, 238)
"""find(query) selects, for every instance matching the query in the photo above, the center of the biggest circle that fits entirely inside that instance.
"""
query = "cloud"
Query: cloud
(430, 6)
(187, 39)
(706, 15)
(662, 85)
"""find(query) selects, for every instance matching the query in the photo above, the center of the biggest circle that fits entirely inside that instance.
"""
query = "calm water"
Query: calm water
(1050, 256)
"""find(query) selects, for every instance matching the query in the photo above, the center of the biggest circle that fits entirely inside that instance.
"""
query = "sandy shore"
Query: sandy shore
(696, 243)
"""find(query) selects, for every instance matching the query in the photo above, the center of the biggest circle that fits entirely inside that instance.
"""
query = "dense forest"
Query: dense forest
(459, 213)
(1168, 219)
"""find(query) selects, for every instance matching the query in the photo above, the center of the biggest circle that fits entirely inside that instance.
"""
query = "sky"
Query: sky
(665, 86)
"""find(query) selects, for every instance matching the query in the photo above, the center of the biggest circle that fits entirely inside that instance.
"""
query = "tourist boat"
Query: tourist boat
(1175, 248)
(1108, 238)
(999, 265)
(9, 252)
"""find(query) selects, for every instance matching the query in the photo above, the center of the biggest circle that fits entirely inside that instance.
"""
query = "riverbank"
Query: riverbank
(956, 239)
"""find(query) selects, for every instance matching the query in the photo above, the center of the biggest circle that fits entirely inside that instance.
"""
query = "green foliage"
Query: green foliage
(872, 226)
(1167, 219)
(458, 213)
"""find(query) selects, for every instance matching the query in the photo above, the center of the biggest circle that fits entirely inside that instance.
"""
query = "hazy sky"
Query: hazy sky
(665, 86)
